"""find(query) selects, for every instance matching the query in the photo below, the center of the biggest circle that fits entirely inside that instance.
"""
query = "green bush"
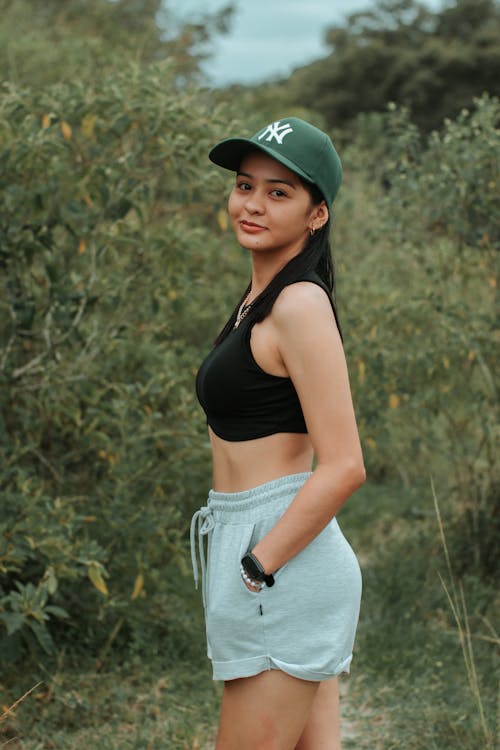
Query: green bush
(112, 240)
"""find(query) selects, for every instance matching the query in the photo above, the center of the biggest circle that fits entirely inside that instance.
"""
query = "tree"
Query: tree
(66, 40)
(432, 63)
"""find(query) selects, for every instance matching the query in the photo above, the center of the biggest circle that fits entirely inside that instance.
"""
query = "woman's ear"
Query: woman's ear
(319, 216)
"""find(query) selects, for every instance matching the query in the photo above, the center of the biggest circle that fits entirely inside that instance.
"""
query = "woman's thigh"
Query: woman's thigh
(322, 730)
(266, 712)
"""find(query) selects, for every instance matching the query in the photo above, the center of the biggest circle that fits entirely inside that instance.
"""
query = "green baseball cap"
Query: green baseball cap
(301, 147)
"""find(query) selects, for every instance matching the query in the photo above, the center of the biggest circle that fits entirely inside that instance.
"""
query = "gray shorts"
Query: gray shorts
(306, 623)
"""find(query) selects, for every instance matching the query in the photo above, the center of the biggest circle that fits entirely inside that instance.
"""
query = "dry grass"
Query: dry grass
(456, 599)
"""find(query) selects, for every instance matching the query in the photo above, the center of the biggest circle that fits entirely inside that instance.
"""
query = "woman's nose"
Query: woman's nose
(254, 203)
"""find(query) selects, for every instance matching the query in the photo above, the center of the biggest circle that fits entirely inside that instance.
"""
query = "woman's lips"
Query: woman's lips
(251, 228)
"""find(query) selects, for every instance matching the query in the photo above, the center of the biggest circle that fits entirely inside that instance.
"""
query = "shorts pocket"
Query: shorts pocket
(232, 616)
(248, 542)
(228, 545)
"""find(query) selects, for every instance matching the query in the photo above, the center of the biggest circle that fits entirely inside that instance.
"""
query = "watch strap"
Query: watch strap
(254, 568)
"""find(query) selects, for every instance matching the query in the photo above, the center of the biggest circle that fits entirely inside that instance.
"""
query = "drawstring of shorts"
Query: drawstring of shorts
(204, 519)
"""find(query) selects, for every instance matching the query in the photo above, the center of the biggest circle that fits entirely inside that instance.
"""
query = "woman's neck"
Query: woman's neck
(264, 269)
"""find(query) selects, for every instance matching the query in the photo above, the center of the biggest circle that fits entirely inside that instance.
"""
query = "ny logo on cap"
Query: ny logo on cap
(275, 130)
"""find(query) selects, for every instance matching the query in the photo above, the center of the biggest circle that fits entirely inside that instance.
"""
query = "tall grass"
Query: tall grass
(456, 598)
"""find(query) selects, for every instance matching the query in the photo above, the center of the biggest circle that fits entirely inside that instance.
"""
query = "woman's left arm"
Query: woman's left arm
(312, 352)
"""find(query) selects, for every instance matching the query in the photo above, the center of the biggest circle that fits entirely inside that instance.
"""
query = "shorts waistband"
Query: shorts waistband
(225, 505)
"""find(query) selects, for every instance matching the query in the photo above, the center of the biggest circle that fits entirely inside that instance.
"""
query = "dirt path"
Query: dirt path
(348, 714)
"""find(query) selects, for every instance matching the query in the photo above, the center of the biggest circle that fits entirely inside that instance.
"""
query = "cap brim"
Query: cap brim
(230, 152)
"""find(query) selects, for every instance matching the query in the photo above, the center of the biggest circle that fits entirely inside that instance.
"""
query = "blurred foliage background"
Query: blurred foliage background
(118, 269)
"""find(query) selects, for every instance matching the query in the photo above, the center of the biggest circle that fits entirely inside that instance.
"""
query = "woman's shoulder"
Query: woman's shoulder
(302, 298)
(305, 301)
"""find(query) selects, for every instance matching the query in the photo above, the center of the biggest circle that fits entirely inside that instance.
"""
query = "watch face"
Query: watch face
(251, 569)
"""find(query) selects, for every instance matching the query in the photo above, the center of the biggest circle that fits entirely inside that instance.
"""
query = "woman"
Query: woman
(281, 585)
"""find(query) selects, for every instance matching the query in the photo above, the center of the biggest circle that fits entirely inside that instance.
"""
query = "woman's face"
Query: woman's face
(270, 209)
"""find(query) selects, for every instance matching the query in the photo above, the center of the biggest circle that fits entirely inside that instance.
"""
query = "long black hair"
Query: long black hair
(316, 256)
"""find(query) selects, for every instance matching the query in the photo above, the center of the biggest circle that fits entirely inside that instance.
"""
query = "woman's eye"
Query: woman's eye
(278, 193)
(243, 186)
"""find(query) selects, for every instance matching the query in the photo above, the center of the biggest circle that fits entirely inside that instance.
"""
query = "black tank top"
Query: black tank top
(241, 400)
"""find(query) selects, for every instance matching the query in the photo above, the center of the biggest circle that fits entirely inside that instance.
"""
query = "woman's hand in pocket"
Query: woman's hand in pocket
(253, 586)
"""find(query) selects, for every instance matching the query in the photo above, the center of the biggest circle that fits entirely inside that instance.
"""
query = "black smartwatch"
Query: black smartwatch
(255, 571)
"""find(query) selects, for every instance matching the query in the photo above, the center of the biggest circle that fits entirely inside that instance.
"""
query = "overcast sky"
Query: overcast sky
(271, 37)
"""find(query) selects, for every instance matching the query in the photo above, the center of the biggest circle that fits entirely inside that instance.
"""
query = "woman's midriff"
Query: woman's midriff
(241, 465)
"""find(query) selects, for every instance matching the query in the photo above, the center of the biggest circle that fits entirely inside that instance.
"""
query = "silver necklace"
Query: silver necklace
(244, 310)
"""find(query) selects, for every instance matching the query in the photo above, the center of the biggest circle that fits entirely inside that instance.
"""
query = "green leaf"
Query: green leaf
(42, 635)
(95, 575)
(13, 621)
(52, 609)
